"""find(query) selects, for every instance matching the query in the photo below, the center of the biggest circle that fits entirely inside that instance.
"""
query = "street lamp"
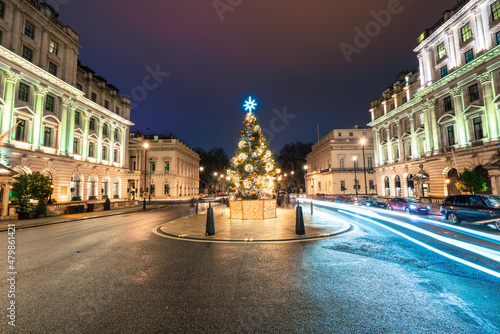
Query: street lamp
(146, 145)
(150, 172)
(50, 196)
(355, 179)
(305, 179)
(363, 142)
(448, 188)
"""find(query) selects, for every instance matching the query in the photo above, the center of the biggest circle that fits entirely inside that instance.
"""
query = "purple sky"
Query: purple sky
(282, 52)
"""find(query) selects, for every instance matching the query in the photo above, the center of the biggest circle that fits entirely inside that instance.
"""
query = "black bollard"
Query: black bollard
(312, 208)
(210, 222)
(299, 222)
(197, 208)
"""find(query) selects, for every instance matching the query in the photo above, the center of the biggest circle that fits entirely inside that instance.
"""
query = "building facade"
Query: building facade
(172, 167)
(335, 165)
(444, 117)
(67, 123)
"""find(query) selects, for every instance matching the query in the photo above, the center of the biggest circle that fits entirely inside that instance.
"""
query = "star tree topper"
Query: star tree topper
(250, 105)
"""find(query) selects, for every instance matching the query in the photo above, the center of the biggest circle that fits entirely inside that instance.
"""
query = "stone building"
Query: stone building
(172, 167)
(442, 118)
(336, 165)
(68, 123)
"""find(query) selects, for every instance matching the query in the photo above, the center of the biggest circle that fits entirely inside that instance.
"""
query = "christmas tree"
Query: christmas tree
(252, 174)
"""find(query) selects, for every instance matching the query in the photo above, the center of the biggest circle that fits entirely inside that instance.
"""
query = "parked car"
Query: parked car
(374, 202)
(471, 208)
(409, 205)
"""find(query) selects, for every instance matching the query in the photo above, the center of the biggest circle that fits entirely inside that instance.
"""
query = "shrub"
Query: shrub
(41, 207)
(76, 198)
(107, 204)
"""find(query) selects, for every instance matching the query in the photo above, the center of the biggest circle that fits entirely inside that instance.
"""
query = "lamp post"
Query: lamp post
(355, 177)
(201, 183)
(448, 188)
(363, 142)
(150, 172)
(146, 145)
(305, 178)
(50, 196)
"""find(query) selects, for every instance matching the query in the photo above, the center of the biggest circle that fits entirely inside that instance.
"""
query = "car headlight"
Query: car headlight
(413, 206)
(368, 204)
(428, 207)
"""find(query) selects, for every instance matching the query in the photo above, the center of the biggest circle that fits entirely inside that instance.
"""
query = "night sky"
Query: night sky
(282, 52)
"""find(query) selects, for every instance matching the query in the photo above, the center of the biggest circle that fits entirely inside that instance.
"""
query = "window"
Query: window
(105, 130)
(20, 130)
(93, 97)
(498, 38)
(319, 186)
(53, 69)
(444, 71)
(24, 92)
(441, 50)
(29, 30)
(393, 106)
(473, 93)
(27, 54)
(447, 104)
(54, 47)
(364, 133)
(106, 104)
(78, 86)
(1, 37)
(342, 186)
(104, 153)
(115, 156)
(351, 134)
(450, 131)
(369, 162)
(91, 149)
(49, 103)
(47, 136)
(2, 10)
(495, 10)
(396, 130)
(405, 99)
(478, 128)
(92, 124)
(340, 134)
(469, 56)
(371, 185)
(153, 165)
(341, 163)
(466, 32)
(116, 134)
(421, 117)
(77, 118)
(76, 146)
(407, 124)
(117, 110)
(167, 166)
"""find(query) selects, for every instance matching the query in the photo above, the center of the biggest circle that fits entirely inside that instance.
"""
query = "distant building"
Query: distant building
(337, 158)
(172, 167)
(71, 125)
(444, 117)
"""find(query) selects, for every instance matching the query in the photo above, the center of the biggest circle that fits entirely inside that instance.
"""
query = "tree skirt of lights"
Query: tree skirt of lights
(252, 209)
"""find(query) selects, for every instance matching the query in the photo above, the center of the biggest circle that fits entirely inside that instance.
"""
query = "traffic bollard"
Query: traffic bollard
(210, 230)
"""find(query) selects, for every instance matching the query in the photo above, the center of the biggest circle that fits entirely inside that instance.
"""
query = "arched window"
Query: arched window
(411, 186)
(105, 188)
(91, 187)
(397, 183)
(387, 186)
(75, 186)
(116, 188)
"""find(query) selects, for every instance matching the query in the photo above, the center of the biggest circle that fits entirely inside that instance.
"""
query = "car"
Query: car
(374, 202)
(472, 209)
(344, 200)
(410, 205)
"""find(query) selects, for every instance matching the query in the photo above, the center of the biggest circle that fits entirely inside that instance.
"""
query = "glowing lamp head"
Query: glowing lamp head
(354, 158)
(202, 169)
(146, 145)
(447, 181)
(363, 141)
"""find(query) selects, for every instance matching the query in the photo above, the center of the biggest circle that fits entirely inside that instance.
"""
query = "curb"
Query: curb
(81, 218)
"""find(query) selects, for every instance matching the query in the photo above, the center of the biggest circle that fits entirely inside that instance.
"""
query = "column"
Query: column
(479, 32)
(422, 69)
(70, 137)
(111, 152)
(44, 50)
(413, 143)
(427, 128)
(459, 116)
(40, 93)
(451, 49)
(123, 150)
(16, 31)
(390, 154)
(428, 65)
(99, 124)
(400, 141)
(86, 131)
(486, 81)
(11, 81)
(63, 142)
(437, 146)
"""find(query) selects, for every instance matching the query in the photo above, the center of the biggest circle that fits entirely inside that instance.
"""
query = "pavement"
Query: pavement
(67, 218)
(280, 229)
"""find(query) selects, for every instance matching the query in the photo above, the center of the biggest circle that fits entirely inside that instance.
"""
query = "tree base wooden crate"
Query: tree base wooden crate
(253, 209)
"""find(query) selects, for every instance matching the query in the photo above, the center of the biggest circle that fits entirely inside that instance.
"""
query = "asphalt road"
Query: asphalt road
(113, 275)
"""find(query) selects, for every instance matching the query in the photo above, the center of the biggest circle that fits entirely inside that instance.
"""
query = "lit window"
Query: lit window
(444, 71)
(495, 10)
(473, 93)
(24, 92)
(469, 56)
(447, 104)
(466, 32)
(27, 54)
(49, 103)
(341, 163)
(53, 69)
(47, 136)
(54, 47)
(167, 166)
(29, 30)
(441, 50)
(152, 164)
(421, 118)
